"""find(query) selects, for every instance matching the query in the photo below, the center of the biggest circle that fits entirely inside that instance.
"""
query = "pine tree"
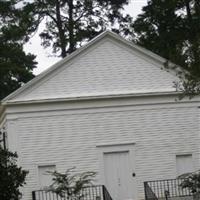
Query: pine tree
(15, 65)
(171, 29)
(69, 23)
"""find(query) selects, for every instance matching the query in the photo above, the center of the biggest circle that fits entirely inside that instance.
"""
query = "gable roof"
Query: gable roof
(106, 34)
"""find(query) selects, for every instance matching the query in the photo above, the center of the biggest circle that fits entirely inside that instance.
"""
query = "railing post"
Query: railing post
(166, 194)
(33, 195)
(4, 140)
(145, 192)
(103, 190)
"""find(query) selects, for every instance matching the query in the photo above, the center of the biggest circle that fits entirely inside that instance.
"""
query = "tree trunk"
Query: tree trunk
(188, 9)
(60, 30)
(71, 27)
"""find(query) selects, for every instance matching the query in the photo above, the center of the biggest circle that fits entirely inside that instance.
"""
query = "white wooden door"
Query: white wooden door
(118, 175)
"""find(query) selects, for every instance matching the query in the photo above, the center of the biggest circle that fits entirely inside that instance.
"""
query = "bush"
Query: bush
(12, 177)
(71, 183)
(192, 182)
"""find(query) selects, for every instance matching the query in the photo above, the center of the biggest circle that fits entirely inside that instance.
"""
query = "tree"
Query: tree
(12, 177)
(69, 23)
(191, 181)
(171, 29)
(70, 183)
(15, 65)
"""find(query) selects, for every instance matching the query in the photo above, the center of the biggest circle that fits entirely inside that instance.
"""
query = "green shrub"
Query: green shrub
(192, 182)
(12, 177)
(71, 183)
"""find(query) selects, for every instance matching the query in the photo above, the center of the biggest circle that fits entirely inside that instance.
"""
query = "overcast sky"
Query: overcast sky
(44, 56)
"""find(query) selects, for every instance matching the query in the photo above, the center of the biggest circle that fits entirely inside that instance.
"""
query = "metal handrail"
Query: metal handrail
(149, 194)
(165, 189)
(97, 192)
(106, 194)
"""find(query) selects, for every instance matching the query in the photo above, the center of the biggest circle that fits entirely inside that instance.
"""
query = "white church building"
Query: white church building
(109, 107)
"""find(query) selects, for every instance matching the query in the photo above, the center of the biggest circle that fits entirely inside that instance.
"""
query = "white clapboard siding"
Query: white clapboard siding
(49, 126)
(68, 140)
(105, 68)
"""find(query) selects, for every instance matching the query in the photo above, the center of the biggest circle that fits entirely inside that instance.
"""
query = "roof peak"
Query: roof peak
(105, 34)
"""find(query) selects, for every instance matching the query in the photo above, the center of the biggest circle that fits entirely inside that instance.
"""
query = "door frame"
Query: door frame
(114, 148)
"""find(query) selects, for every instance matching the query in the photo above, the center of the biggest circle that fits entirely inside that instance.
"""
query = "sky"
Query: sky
(45, 58)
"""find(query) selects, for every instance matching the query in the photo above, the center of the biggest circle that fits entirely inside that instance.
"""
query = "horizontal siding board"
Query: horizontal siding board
(69, 140)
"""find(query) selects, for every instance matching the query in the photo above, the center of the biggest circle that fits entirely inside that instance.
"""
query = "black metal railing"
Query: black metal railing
(87, 193)
(165, 189)
(149, 194)
(106, 194)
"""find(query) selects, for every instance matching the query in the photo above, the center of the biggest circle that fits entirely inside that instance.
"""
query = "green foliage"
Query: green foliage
(192, 182)
(70, 23)
(171, 29)
(71, 183)
(15, 65)
(12, 177)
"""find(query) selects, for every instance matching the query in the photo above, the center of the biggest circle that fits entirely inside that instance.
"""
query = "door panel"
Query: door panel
(118, 175)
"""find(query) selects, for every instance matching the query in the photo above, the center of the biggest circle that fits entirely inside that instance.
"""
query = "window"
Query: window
(184, 164)
(45, 179)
